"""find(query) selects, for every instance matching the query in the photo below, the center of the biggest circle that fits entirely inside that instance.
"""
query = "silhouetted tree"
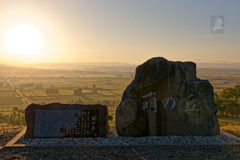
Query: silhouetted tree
(94, 88)
(78, 91)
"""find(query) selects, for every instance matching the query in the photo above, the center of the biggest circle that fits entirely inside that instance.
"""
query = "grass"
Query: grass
(90, 97)
(86, 91)
(40, 97)
(40, 93)
(66, 92)
(4, 108)
(112, 109)
(118, 91)
(219, 116)
(74, 98)
(28, 94)
(46, 101)
(112, 122)
(232, 129)
(225, 123)
(112, 112)
(2, 89)
(218, 90)
(10, 101)
(7, 94)
(105, 93)
(230, 126)
(101, 97)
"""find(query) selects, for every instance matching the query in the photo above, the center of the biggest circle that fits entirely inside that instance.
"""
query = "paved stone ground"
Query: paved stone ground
(122, 153)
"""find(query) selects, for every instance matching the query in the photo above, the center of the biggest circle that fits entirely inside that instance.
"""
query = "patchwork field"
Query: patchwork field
(8, 97)
(39, 93)
(28, 94)
(220, 78)
(106, 93)
(10, 101)
(4, 89)
(65, 92)
(109, 88)
(46, 99)
(7, 94)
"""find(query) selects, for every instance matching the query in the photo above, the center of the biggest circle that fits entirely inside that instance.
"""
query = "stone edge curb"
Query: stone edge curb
(230, 135)
(15, 139)
(130, 145)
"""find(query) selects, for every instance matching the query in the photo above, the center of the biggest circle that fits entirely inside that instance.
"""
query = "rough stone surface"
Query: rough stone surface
(194, 111)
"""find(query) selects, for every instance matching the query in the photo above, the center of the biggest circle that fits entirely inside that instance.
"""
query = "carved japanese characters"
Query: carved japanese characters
(166, 98)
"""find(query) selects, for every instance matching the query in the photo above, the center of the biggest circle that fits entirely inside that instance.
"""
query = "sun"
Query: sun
(24, 40)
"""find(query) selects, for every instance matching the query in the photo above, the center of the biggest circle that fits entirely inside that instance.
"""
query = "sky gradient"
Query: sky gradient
(124, 31)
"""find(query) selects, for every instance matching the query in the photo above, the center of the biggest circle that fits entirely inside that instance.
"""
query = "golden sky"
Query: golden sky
(123, 31)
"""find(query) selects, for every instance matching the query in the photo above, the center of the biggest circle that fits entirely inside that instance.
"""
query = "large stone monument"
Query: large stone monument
(66, 120)
(166, 98)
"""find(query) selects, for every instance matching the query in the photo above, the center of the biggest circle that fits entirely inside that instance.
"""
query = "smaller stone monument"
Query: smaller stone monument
(66, 120)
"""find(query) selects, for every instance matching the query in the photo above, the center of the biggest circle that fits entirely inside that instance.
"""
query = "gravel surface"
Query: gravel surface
(172, 152)
(111, 139)
(122, 153)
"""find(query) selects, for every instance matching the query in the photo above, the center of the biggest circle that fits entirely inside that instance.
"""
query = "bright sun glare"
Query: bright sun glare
(24, 39)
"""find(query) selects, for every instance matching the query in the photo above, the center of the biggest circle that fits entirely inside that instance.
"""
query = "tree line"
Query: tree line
(103, 102)
(228, 101)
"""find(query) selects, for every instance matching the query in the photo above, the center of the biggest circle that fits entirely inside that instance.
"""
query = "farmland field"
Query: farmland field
(108, 88)
(69, 98)
(3, 89)
(86, 91)
(66, 92)
(10, 101)
(66, 89)
(39, 93)
(96, 97)
(28, 94)
(46, 99)
(7, 94)
(106, 93)
(4, 108)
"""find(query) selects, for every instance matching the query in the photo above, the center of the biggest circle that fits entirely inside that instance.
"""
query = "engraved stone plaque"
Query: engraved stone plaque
(66, 123)
(64, 120)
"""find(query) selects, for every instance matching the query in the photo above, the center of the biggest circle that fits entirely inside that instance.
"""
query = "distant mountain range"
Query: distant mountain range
(219, 65)
(82, 65)
(77, 65)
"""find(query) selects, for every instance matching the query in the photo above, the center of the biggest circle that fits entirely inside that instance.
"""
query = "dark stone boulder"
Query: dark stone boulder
(167, 98)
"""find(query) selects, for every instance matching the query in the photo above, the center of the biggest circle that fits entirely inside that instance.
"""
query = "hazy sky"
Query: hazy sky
(129, 31)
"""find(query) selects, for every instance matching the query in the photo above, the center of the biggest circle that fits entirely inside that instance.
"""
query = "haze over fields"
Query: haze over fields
(87, 51)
